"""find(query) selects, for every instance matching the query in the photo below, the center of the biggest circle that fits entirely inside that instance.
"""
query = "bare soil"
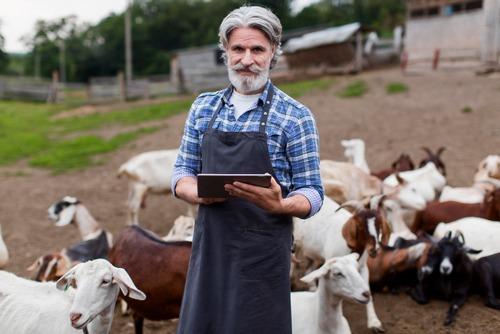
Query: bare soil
(429, 114)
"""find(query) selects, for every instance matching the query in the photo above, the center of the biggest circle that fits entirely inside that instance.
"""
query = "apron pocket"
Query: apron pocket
(263, 255)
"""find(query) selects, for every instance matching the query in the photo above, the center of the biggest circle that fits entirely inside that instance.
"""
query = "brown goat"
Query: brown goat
(403, 163)
(445, 212)
(51, 267)
(157, 267)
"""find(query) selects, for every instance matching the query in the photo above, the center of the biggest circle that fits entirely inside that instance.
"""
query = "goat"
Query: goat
(487, 168)
(182, 230)
(148, 173)
(4, 253)
(402, 164)
(447, 274)
(437, 212)
(344, 182)
(354, 151)
(428, 180)
(71, 210)
(158, 267)
(474, 194)
(334, 231)
(321, 311)
(95, 241)
(479, 233)
(87, 300)
(435, 158)
(487, 274)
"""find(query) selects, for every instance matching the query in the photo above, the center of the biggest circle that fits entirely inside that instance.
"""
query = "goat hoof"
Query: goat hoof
(378, 330)
(448, 322)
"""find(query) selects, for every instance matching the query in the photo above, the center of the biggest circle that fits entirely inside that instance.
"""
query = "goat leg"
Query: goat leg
(418, 294)
(456, 303)
(138, 323)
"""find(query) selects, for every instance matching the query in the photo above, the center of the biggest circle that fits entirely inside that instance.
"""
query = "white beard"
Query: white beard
(248, 84)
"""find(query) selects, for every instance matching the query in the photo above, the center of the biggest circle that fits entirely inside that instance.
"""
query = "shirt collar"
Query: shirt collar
(262, 98)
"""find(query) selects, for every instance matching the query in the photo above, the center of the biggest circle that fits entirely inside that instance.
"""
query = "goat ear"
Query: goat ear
(66, 279)
(400, 180)
(472, 250)
(349, 232)
(66, 215)
(318, 273)
(35, 265)
(127, 286)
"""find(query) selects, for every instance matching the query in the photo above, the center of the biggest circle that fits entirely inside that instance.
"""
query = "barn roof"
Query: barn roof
(324, 37)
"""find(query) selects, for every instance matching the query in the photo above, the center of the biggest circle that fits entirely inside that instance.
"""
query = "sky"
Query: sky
(18, 17)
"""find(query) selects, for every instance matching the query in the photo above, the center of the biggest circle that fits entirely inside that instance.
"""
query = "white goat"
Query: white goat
(394, 216)
(481, 234)
(4, 253)
(474, 194)
(71, 210)
(354, 151)
(320, 312)
(31, 307)
(489, 167)
(427, 180)
(182, 229)
(149, 172)
(345, 182)
(321, 237)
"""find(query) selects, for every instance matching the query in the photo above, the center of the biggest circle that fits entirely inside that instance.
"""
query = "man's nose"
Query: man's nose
(247, 59)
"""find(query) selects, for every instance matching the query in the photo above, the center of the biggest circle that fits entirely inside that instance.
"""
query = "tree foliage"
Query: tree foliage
(160, 27)
(4, 59)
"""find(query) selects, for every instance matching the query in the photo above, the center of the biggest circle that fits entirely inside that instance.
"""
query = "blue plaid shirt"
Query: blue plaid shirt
(292, 140)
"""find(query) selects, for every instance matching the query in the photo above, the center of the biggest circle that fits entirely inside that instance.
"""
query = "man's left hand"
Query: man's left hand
(269, 199)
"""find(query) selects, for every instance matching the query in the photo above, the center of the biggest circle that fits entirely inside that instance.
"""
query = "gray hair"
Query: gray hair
(256, 17)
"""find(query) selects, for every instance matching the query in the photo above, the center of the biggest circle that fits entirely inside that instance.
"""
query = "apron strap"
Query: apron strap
(265, 111)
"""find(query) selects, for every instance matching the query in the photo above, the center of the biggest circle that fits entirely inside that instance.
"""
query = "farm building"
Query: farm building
(453, 31)
(332, 48)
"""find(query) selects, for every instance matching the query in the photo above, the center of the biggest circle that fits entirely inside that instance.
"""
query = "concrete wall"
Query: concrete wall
(460, 32)
(490, 51)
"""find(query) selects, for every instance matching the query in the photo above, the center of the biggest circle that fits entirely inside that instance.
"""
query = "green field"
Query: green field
(32, 131)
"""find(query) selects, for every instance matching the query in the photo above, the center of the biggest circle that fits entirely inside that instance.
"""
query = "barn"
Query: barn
(453, 32)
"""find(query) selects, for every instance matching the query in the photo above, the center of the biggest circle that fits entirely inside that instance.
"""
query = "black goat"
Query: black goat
(447, 274)
(487, 274)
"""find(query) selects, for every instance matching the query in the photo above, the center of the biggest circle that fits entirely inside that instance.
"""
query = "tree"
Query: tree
(4, 59)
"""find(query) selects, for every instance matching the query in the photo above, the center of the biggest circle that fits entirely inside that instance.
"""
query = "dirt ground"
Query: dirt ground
(429, 114)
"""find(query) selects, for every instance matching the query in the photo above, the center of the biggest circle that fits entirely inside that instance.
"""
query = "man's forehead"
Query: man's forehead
(248, 35)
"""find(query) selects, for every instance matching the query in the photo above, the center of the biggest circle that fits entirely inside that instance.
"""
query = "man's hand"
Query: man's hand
(187, 189)
(270, 199)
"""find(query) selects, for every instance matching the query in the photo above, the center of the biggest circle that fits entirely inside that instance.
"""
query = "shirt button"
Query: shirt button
(262, 123)
(268, 102)
(265, 113)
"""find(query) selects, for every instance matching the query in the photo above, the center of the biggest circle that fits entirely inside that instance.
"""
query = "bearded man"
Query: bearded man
(238, 278)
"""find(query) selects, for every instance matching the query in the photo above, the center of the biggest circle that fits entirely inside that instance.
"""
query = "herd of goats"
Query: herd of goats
(399, 228)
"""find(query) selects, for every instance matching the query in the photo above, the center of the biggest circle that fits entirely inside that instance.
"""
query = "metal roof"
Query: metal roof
(324, 37)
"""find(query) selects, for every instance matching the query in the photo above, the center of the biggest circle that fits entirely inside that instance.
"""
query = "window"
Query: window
(473, 5)
(417, 13)
(218, 57)
(433, 11)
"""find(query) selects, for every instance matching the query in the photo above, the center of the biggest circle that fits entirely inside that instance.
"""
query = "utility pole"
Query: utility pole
(128, 42)
(62, 60)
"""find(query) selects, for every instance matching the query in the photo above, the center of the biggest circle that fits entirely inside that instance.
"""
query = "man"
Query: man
(238, 279)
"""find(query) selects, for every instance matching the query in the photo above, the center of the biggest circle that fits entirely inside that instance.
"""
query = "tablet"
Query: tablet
(212, 185)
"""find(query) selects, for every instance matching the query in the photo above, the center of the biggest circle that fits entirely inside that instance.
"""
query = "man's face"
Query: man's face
(249, 55)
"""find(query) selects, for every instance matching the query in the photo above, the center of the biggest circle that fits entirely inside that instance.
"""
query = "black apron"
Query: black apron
(238, 278)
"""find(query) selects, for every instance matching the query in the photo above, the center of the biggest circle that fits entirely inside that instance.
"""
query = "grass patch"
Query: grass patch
(78, 153)
(467, 110)
(300, 88)
(396, 88)
(124, 116)
(354, 89)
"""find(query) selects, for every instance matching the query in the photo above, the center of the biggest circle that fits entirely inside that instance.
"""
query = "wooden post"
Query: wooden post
(404, 61)
(359, 52)
(435, 59)
(122, 85)
(52, 98)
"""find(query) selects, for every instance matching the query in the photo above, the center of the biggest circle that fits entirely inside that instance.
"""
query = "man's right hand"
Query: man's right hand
(187, 189)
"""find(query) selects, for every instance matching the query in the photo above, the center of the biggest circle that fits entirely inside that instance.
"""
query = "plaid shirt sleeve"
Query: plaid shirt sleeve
(303, 155)
(188, 161)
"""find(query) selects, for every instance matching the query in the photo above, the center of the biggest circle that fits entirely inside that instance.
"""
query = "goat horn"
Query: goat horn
(356, 205)
(459, 235)
(440, 150)
(427, 150)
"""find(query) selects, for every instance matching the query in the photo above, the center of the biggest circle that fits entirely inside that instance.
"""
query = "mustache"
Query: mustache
(252, 68)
